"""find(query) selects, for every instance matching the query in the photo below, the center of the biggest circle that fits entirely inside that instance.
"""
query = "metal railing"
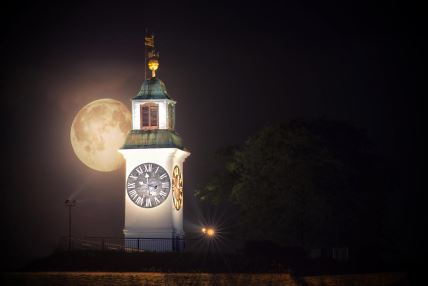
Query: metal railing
(131, 244)
(155, 244)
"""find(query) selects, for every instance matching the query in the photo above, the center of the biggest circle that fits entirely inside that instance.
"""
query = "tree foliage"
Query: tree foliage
(303, 183)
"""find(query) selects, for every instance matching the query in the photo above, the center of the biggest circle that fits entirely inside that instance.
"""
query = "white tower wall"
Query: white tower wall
(163, 221)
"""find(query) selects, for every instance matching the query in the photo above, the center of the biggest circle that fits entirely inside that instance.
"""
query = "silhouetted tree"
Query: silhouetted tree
(303, 183)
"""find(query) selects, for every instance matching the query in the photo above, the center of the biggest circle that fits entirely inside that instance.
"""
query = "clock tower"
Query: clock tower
(154, 155)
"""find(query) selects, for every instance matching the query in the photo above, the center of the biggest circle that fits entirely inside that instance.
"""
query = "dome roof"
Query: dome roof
(153, 88)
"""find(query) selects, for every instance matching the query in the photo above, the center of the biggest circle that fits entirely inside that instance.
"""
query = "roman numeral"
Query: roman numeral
(133, 177)
(131, 185)
(162, 193)
(165, 185)
(139, 201)
(148, 168)
(148, 202)
(157, 169)
(157, 201)
(163, 176)
(139, 170)
(132, 193)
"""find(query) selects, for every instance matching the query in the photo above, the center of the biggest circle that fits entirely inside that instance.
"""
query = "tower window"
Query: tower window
(149, 116)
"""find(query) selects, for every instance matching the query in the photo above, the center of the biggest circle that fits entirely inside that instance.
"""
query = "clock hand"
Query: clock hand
(147, 177)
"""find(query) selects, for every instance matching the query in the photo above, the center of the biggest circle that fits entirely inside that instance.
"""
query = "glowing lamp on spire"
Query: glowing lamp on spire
(151, 54)
(153, 66)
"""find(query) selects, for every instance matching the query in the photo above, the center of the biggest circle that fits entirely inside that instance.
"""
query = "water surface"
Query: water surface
(196, 279)
(141, 279)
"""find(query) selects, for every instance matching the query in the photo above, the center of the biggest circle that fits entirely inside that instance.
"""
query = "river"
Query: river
(192, 279)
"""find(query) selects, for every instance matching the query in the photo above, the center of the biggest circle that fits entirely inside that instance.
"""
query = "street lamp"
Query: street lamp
(69, 203)
(208, 231)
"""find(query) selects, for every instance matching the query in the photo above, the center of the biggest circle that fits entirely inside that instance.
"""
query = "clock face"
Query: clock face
(177, 188)
(148, 185)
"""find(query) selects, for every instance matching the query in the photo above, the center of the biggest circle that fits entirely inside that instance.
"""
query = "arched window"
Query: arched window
(149, 116)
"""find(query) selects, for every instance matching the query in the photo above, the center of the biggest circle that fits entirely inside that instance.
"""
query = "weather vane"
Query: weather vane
(151, 55)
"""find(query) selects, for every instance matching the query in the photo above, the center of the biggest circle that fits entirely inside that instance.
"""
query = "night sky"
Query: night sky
(231, 68)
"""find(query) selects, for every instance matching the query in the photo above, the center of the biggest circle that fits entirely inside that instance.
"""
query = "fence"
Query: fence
(134, 244)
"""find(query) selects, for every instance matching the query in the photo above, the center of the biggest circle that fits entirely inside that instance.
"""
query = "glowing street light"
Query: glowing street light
(210, 232)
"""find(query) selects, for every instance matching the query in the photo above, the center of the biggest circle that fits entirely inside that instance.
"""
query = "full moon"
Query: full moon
(98, 130)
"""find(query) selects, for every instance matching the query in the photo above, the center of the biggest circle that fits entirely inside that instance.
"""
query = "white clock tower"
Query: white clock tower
(154, 156)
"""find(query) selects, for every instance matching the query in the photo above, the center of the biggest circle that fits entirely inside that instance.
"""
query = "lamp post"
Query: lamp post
(69, 204)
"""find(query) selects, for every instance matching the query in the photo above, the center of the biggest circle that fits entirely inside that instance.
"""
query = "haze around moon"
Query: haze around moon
(98, 130)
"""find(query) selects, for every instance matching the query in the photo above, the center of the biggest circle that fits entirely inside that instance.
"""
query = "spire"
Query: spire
(151, 57)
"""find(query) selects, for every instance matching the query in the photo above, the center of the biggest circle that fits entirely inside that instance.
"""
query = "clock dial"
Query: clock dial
(148, 185)
(177, 188)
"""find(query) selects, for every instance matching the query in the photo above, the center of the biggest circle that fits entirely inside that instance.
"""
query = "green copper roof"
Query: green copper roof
(159, 138)
(153, 88)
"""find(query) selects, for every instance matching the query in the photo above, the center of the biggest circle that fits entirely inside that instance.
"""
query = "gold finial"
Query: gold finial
(153, 66)
(151, 53)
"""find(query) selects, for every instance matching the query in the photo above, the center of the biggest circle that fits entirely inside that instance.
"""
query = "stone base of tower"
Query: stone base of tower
(154, 241)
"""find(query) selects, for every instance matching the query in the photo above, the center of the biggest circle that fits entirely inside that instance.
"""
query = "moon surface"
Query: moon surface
(98, 130)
